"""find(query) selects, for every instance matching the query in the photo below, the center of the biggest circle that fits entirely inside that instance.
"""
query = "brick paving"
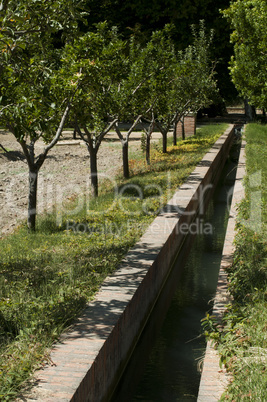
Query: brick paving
(214, 380)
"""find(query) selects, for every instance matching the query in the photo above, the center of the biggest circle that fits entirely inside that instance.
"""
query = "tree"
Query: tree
(186, 82)
(140, 91)
(164, 81)
(169, 84)
(98, 59)
(125, 145)
(127, 95)
(152, 70)
(248, 20)
(33, 105)
(195, 83)
(152, 15)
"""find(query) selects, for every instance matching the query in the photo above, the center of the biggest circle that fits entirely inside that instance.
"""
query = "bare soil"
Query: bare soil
(64, 173)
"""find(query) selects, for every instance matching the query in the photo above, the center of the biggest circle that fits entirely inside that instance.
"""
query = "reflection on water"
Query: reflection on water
(172, 340)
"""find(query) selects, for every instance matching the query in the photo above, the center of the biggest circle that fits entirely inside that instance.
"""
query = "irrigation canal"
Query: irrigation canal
(165, 365)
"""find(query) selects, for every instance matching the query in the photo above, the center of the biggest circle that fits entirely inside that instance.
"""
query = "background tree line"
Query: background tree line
(146, 16)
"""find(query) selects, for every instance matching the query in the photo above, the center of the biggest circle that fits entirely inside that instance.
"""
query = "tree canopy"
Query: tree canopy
(33, 103)
(146, 16)
(29, 64)
(248, 19)
(97, 59)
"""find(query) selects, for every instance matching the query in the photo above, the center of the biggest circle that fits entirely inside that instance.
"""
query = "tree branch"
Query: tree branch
(141, 83)
(88, 141)
(61, 125)
(144, 80)
(129, 132)
(26, 152)
(59, 130)
(119, 132)
(41, 158)
(182, 113)
(160, 127)
(88, 144)
(104, 132)
(151, 106)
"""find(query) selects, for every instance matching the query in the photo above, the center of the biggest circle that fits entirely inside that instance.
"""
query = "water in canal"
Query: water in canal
(166, 360)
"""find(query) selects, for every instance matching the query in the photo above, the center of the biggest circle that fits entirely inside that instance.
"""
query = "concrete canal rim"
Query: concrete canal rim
(90, 358)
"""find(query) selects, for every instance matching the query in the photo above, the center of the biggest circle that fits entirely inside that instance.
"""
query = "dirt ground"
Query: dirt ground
(63, 174)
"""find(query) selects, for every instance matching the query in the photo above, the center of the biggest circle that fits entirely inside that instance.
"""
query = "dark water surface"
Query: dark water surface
(165, 363)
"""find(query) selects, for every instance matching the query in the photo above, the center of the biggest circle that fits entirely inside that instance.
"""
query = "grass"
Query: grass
(242, 337)
(47, 277)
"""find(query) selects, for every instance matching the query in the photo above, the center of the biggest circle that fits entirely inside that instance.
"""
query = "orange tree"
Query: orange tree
(98, 60)
(33, 103)
(195, 84)
(248, 20)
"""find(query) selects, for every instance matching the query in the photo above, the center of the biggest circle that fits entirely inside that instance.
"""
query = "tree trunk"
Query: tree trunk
(93, 172)
(175, 133)
(148, 136)
(125, 159)
(264, 115)
(250, 111)
(164, 142)
(183, 131)
(32, 199)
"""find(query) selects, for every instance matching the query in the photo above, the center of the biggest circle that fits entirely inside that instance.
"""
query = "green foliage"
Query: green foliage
(161, 81)
(249, 267)
(196, 80)
(98, 60)
(141, 18)
(248, 19)
(96, 63)
(241, 342)
(241, 337)
(46, 277)
(31, 103)
(256, 163)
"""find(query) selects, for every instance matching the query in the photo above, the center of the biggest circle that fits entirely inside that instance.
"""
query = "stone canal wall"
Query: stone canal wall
(88, 361)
